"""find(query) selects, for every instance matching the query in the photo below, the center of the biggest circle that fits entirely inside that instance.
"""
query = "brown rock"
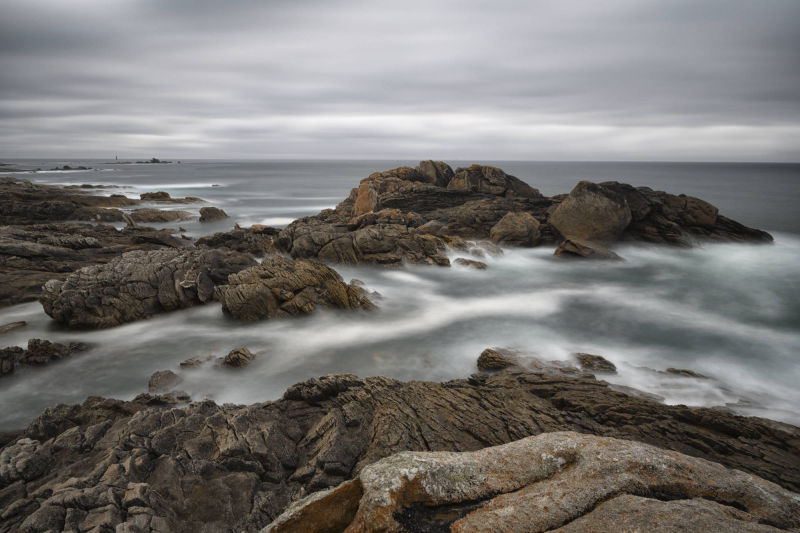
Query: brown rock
(435, 172)
(158, 215)
(516, 229)
(595, 363)
(163, 381)
(210, 214)
(471, 263)
(497, 359)
(238, 357)
(159, 196)
(593, 213)
(11, 326)
(490, 180)
(573, 248)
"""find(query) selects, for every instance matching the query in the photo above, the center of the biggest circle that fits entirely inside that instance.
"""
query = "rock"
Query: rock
(237, 468)
(163, 381)
(9, 358)
(11, 326)
(471, 263)
(194, 362)
(595, 363)
(497, 359)
(159, 196)
(238, 358)
(435, 172)
(159, 215)
(210, 214)
(572, 248)
(282, 287)
(686, 373)
(258, 242)
(490, 180)
(554, 480)
(138, 285)
(593, 213)
(40, 352)
(516, 229)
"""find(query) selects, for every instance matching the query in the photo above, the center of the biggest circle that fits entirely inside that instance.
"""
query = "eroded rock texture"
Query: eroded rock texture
(547, 482)
(206, 467)
(281, 287)
(137, 285)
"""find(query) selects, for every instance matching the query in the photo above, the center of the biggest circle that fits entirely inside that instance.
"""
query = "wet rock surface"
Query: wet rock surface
(210, 214)
(137, 285)
(39, 352)
(206, 467)
(548, 482)
(281, 287)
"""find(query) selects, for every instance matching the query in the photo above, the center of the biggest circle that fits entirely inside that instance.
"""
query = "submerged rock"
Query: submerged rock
(138, 285)
(550, 481)
(282, 287)
(163, 381)
(471, 263)
(11, 326)
(238, 358)
(572, 248)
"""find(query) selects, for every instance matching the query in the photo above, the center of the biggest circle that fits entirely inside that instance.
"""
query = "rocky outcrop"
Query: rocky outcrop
(138, 285)
(255, 240)
(210, 214)
(39, 352)
(159, 215)
(281, 287)
(592, 213)
(574, 248)
(554, 481)
(207, 467)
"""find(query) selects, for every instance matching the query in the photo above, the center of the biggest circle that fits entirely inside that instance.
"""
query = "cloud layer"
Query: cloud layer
(620, 79)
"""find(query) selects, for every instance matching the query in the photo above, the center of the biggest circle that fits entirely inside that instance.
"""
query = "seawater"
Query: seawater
(729, 311)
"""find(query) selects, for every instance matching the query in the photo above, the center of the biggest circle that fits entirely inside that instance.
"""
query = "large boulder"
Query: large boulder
(210, 214)
(592, 213)
(546, 482)
(137, 285)
(435, 172)
(516, 229)
(280, 287)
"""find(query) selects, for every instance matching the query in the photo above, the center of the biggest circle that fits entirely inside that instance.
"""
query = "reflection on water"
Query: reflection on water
(727, 311)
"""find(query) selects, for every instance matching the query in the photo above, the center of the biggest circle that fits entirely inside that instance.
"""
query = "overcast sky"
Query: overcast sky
(700, 80)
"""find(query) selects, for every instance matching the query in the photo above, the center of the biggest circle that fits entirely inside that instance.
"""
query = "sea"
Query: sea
(728, 311)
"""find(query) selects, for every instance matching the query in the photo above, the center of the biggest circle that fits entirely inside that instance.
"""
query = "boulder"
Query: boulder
(595, 363)
(158, 215)
(238, 358)
(490, 180)
(574, 248)
(280, 287)
(435, 172)
(163, 381)
(471, 263)
(516, 229)
(210, 214)
(137, 285)
(553, 480)
(159, 196)
(497, 359)
(593, 213)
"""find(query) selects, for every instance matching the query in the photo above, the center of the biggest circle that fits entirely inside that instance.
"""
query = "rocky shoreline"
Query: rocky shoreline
(158, 463)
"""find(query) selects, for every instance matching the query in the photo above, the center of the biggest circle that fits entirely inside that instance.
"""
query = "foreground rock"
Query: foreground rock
(208, 467)
(281, 287)
(39, 352)
(562, 481)
(138, 285)
(210, 214)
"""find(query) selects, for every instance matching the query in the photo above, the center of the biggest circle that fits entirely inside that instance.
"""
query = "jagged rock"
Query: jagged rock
(490, 180)
(163, 381)
(497, 359)
(236, 468)
(256, 240)
(210, 214)
(516, 229)
(592, 213)
(595, 363)
(471, 263)
(282, 287)
(435, 172)
(138, 285)
(238, 357)
(39, 352)
(551, 481)
(159, 215)
(573, 248)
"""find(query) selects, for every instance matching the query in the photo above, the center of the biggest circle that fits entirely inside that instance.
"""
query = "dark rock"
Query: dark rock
(238, 357)
(686, 373)
(138, 285)
(236, 468)
(561, 481)
(491, 180)
(573, 248)
(257, 241)
(42, 352)
(282, 287)
(592, 213)
(435, 172)
(155, 196)
(497, 359)
(210, 214)
(194, 362)
(9, 358)
(163, 381)
(516, 229)
(595, 363)
(159, 215)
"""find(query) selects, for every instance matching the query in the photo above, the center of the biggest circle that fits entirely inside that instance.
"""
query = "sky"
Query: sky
(665, 80)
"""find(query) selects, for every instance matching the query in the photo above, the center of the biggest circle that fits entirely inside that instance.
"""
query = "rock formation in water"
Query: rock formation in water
(205, 467)
(137, 285)
(562, 481)
(280, 287)
(39, 352)
(210, 214)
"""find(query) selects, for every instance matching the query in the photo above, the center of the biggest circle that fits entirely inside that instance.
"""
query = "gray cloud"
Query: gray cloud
(622, 79)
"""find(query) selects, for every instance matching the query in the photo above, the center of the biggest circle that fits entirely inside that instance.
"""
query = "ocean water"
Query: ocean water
(729, 311)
